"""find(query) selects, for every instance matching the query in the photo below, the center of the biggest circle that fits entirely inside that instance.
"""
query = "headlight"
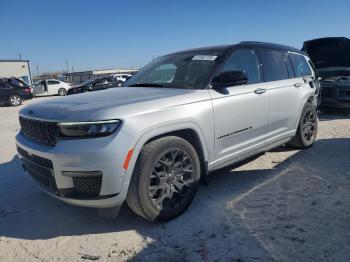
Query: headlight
(88, 129)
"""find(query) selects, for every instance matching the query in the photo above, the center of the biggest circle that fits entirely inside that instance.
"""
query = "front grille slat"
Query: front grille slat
(39, 131)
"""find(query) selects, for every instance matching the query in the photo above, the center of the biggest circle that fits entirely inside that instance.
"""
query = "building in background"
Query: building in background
(16, 68)
(77, 78)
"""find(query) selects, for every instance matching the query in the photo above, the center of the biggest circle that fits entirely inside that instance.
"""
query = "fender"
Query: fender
(304, 101)
(151, 132)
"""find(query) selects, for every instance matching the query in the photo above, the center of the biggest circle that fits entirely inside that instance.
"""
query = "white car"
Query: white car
(51, 87)
(121, 77)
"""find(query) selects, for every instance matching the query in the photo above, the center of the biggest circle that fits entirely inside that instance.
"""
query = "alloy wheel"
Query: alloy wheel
(171, 179)
(309, 126)
(15, 100)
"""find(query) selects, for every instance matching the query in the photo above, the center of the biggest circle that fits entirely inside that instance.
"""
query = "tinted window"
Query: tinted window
(247, 61)
(274, 65)
(50, 82)
(3, 85)
(300, 65)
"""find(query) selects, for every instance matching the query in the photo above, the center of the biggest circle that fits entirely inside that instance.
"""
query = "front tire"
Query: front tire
(15, 100)
(307, 128)
(62, 92)
(165, 179)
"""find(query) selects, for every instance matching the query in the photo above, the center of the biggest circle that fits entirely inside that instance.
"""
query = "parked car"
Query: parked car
(151, 143)
(15, 80)
(331, 57)
(51, 87)
(121, 78)
(94, 84)
(14, 94)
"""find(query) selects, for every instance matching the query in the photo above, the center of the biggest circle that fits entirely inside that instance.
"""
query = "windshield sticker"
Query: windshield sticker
(204, 57)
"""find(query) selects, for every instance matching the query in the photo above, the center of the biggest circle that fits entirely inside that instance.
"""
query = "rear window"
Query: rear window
(274, 65)
(300, 65)
(3, 85)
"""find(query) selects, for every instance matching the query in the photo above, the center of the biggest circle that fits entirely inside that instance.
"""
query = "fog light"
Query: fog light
(81, 173)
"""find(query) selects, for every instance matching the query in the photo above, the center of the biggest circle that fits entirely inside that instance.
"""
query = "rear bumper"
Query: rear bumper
(102, 183)
(27, 96)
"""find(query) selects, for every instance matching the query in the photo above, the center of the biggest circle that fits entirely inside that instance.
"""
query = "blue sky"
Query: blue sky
(109, 34)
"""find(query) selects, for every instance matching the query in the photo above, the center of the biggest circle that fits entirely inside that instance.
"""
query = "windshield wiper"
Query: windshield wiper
(146, 84)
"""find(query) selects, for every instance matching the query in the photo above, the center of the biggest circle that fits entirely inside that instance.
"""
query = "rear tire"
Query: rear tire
(62, 92)
(15, 100)
(307, 128)
(165, 179)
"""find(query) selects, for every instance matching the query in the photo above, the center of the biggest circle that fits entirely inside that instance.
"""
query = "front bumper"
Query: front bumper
(45, 165)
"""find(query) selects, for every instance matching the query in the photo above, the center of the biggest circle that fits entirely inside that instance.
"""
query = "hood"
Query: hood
(116, 101)
(329, 54)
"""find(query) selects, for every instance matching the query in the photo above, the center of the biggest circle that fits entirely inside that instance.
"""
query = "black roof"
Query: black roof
(252, 44)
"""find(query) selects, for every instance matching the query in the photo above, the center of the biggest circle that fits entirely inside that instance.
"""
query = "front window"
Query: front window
(183, 70)
(274, 65)
(246, 60)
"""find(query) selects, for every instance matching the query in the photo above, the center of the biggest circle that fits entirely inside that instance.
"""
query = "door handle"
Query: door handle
(259, 91)
(298, 84)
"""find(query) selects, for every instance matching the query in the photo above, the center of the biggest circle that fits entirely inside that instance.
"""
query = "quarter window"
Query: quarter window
(274, 65)
(246, 60)
(300, 65)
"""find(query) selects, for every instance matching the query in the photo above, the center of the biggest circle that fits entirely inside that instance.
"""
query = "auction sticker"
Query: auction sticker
(204, 57)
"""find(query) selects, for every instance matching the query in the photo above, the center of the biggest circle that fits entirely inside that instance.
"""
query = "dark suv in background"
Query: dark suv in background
(94, 84)
(331, 57)
(13, 91)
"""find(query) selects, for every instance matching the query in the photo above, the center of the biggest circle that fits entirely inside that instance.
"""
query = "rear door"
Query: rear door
(52, 87)
(241, 112)
(285, 94)
(5, 91)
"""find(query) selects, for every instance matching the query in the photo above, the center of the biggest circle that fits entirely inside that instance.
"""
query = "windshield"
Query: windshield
(183, 70)
(89, 81)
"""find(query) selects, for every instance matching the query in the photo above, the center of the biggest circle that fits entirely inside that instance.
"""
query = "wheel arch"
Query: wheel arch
(308, 99)
(188, 131)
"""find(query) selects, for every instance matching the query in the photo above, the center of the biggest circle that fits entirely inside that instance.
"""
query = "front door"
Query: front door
(39, 88)
(241, 112)
(52, 87)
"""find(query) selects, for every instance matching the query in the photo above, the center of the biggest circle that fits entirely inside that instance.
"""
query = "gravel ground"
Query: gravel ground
(286, 205)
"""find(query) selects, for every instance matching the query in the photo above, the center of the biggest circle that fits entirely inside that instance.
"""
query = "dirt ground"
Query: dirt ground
(286, 205)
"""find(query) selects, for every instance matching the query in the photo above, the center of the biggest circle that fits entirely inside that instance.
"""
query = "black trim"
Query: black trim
(234, 132)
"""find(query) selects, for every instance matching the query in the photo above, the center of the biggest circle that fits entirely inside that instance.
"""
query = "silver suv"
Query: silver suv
(181, 117)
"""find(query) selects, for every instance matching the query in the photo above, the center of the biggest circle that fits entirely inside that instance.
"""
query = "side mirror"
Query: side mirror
(230, 78)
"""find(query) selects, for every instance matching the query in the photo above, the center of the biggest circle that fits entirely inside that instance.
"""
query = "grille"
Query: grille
(39, 169)
(39, 131)
(87, 186)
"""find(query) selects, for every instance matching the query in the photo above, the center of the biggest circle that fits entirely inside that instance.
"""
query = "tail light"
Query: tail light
(28, 90)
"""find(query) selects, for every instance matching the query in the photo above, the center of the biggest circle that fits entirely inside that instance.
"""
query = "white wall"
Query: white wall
(16, 69)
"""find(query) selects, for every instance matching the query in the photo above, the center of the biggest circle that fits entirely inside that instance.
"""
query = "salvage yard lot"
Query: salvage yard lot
(286, 205)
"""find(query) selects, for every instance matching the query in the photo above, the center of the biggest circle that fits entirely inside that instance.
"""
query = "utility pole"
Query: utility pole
(67, 66)
(37, 69)
(20, 56)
